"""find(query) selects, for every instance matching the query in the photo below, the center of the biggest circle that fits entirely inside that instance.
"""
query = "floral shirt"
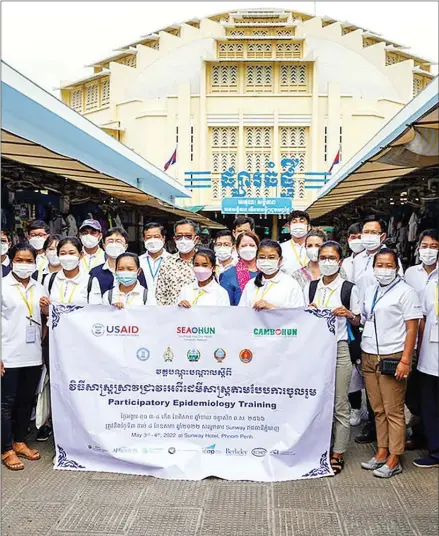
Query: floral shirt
(173, 275)
(303, 276)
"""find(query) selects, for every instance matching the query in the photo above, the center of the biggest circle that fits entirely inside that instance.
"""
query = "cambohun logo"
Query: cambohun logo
(172, 450)
(143, 354)
(275, 332)
(219, 355)
(99, 329)
(168, 355)
(245, 356)
(259, 452)
(193, 355)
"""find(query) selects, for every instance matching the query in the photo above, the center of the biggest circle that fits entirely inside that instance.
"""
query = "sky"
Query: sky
(51, 42)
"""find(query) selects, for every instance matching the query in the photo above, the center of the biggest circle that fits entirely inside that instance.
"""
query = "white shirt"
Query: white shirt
(135, 297)
(348, 267)
(281, 291)
(7, 261)
(211, 294)
(88, 262)
(41, 262)
(396, 303)
(329, 297)
(220, 269)
(151, 269)
(16, 352)
(65, 290)
(417, 277)
(294, 256)
(429, 353)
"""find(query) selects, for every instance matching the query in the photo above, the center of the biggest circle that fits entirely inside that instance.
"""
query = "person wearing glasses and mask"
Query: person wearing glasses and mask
(90, 234)
(224, 251)
(154, 237)
(176, 270)
(37, 233)
(294, 251)
(53, 264)
(390, 316)
(356, 247)
(271, 288)
(341, 297)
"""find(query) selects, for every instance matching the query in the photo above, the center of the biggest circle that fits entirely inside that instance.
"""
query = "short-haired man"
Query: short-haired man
(37, 233)
(293, 251)
(176, 270)
(241, 224)
(356, 247)
(90, 234)
(224, 251)
(154, 237)
(419, 276)
(6, 244)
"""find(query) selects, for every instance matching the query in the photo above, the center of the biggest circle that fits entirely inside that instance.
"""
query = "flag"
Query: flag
(172, 160)
(336, 161)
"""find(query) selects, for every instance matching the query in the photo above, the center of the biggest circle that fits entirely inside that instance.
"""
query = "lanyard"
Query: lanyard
(92, 257)
(63, 292)
(299, 260)
(266, 291)
(29, 303)
(41, 264)
(128, 297)
(198, 296)
(328, 298)
(154, 274)
(376, 299)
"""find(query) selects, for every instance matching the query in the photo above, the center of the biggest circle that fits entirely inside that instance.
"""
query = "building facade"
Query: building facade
(250, 91)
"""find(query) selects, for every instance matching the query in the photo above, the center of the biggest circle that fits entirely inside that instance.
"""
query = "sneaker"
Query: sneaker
(426, 463)
(355, 418)
(44, 433)
(367, 435)
(372, 464)
(386, 472)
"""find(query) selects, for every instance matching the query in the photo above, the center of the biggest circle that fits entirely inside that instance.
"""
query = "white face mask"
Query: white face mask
(223, 252)
(5, 248)
(53, 258)
(298, 230)
(267, 266)
(22, 270)
(89, 241)
(69, 262)
(37, 242)
(247, 253)
(312, 254)
(428, 256)
(114, 250)
(384, 276)
(153, 245)
(329, 267)
(370, 242)
(356, 245)
(185, 245)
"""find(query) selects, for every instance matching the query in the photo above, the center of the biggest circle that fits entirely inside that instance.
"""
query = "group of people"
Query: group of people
(387, 322)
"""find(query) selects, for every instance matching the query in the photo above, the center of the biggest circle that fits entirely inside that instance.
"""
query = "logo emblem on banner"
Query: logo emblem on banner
(193, 355)
(98, 330)
(143, 354)
(168, 355)
(219, 355)
(172, 450)
(245, 356)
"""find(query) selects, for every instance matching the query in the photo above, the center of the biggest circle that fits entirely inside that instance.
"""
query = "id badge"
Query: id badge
(369, 329)
(434, 333)
(31, 334)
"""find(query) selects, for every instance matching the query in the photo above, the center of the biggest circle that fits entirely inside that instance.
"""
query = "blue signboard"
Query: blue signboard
(256, 205)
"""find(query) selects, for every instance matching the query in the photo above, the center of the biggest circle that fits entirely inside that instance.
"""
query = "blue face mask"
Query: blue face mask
(126, 278)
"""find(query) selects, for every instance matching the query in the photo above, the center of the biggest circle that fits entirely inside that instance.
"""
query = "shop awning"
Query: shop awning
(408, 142)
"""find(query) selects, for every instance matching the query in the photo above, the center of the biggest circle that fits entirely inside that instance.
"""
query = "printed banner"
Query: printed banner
(190, 393)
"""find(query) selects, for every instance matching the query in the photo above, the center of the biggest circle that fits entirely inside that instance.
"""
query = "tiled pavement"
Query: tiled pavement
(42, 502)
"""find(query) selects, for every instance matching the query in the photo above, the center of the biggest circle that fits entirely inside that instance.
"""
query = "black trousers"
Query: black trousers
(355, 400)
(18, 395)
(430, 411)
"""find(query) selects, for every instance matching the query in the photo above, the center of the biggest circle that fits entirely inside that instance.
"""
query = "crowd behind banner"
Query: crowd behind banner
(387, 321)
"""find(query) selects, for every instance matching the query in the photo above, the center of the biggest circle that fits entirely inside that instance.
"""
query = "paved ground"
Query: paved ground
(42, 502)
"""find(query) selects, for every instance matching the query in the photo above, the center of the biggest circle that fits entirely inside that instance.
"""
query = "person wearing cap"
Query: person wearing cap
(90, 233)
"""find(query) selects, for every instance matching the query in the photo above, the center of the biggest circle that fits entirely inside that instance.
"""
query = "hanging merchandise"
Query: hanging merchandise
(413, 227)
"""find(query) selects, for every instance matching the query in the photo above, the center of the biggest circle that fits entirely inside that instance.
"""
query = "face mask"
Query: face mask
(223, 252)
(153, 245)
(356, 245)
(23, 271)
(267, 266)
(5, 248)
(384, 275)
(114, 250)
(53, 259)
(248, 253)
(312, 254)
(89, 241)
(126, 278)
(370, 242)
(69, 262)
(428, 256)
(329, 267)
(185, 245)
(37, 242)
(201, 273)
(298, 230)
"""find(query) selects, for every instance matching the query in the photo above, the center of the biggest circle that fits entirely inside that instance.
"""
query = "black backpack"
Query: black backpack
(89, 285)
(145, 295)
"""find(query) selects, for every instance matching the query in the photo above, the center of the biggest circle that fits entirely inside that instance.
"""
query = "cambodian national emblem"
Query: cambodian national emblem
(245, 356)
(168, 355)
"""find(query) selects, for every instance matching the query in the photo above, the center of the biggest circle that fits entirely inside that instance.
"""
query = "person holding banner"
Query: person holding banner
(21, 354)
(341, 296)
(314, 239)
(271, 289)
(391, 314)
(205, 291)
(127, 290)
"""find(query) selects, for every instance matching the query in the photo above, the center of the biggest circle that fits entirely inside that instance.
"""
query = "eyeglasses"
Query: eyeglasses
(181, 236)
(115, 241)
(375, 233)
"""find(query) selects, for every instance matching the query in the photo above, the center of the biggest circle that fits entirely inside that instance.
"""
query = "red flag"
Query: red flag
(172, 160)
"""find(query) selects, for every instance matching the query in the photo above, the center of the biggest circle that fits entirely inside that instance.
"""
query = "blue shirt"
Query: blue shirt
(106, 277)
(229, 281)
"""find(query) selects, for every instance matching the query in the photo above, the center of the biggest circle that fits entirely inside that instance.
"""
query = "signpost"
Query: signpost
(256, 205)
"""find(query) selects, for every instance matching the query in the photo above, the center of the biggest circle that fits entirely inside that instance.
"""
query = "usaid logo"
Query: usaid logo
(99, 330)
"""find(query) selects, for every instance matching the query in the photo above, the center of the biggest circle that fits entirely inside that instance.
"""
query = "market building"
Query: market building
(271, 92)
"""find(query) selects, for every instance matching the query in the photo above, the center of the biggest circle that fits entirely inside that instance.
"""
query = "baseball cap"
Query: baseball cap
(94, 224)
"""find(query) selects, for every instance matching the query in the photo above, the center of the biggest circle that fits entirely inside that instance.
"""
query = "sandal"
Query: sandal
(337, 465)
(26, 452)
(10, 460)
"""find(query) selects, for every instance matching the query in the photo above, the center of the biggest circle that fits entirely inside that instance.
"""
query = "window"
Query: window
(326, 144)
(285, 33)
(288, 50)
(224, 146)
(192, 143)
(76, 99)
(341, 143)
(105, 92)
(259, 78)
(294, 78)
(258, 151)
(129, 61)
(176, 135)
(236, 33)
(224, 78)
(230, 50)
(259, 50)
(91, 96)
(261, 33)
(293, 142)
(419, 83)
